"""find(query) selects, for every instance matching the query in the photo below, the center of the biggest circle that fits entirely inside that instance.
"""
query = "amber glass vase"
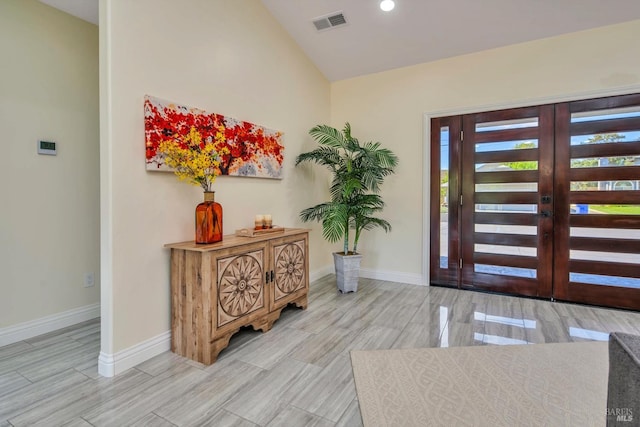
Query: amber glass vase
(209, 220)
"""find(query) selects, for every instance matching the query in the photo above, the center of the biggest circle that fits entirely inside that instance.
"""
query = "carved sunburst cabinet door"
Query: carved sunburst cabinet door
(240, 283)
(289, 268)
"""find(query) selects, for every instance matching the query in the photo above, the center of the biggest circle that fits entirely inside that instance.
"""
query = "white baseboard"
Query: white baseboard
(392, 276)
(321, 272)
(370, 273)
(113, 364)
(43, 325)
(110, 365)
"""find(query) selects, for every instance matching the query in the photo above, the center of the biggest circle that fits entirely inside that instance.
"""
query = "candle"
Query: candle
(267, 221)
(259, 222)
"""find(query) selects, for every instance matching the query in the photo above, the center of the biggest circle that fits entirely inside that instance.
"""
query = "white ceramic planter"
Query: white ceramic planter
(347, 271)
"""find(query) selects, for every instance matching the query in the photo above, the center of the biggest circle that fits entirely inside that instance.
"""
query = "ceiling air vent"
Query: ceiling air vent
(332, 20)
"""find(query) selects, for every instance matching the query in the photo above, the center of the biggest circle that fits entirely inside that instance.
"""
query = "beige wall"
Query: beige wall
(49, 220)
(229, 57)
(391, 107)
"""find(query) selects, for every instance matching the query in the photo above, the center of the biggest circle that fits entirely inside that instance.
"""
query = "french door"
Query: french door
(540, 201)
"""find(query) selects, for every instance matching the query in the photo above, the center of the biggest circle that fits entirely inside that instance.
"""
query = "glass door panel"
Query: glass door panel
(540, 201)
(598, 178)
(506, 244)
(445, 158)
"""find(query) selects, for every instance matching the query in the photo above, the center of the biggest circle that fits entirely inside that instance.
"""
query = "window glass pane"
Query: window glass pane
(494, 207)
(623, 185)
(505, 271)
(444, 261)
(596, 279)
(506, 145)
(604, 256)
(505, 250)
(614, 113)
(444, 197)
(530, 230)
(507, 124)
(507, 166)
(605, 162)
(507, 187)
(605, 209)
(613, 233)
(606, 138)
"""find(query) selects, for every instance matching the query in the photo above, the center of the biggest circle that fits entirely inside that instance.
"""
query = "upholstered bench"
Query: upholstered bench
(623, 396)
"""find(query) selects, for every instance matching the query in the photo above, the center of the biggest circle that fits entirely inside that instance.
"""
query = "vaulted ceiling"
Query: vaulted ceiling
(418, 31)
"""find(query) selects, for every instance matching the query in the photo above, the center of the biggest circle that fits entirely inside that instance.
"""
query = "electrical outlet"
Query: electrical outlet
(89, 280)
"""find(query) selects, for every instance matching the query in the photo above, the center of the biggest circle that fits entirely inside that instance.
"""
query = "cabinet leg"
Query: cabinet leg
(263, 325)
(217, 346)
(302, 302)
(266, 323)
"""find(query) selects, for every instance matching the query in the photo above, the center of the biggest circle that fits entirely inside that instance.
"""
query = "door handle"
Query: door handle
(268, 276)
(546, 214)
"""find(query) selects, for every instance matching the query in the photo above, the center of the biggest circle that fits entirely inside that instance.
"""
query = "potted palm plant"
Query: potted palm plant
(358, 171)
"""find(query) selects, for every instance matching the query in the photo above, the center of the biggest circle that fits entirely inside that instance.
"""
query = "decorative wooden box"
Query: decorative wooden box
(252, 232)
(216, 289)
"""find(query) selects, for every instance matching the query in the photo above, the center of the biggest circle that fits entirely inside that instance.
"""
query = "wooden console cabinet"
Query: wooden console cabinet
(216, 289)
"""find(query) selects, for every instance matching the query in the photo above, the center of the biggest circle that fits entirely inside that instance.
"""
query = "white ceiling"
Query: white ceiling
(418, 31)
(83, 9)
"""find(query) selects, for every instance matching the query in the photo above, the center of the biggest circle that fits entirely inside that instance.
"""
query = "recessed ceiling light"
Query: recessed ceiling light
(387, 5)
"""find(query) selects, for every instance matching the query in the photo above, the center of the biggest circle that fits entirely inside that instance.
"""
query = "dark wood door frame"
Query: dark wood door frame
(449, 275)
(555, 264)
(564, 288)
(540, 286)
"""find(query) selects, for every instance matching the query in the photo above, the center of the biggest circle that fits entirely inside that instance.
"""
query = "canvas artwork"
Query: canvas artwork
(251, 150)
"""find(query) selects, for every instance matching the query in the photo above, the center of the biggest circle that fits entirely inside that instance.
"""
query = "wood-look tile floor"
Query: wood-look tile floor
(297, 374)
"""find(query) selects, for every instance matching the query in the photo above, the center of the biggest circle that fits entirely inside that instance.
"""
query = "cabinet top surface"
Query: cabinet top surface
(231, 240)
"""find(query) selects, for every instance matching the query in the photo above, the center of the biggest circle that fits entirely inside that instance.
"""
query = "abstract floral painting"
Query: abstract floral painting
(252, 150)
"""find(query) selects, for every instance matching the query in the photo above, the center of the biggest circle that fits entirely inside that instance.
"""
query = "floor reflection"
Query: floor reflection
(523, 323)
(497, 340)
(588, 334)
(444, 326)
(467, 318)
